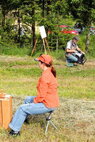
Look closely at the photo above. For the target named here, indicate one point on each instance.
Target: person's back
(48, 84)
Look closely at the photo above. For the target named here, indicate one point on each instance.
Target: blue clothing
(28, 108)
(71, 58)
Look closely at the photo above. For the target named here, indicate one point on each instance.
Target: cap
(76, 38)
(44, 58)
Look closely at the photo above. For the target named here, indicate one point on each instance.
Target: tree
(30, 16)
(84, 10)
(6, 6)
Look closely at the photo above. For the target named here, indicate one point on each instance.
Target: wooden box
(5, 110)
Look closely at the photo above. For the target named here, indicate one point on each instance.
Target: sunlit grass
(19, 76)
(77, 87)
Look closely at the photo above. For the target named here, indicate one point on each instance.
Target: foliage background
(19, 24)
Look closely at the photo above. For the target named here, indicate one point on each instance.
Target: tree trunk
(3, 22)
(43, 5)
(19, 28)
(34, 36)
(33, 30)
(3, 17)
(33, 40)
(48, 12)
(48, 6)
(87, 42)
(57, 44)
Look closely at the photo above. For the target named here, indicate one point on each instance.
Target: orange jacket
(47, 90)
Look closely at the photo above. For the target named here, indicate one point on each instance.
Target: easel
(45, 42)
(33, 50)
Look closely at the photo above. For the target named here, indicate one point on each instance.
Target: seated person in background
(46, 100)
(71, 49)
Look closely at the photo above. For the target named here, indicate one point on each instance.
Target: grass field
(75, 117)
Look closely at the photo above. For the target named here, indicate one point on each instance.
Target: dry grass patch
(75, 119)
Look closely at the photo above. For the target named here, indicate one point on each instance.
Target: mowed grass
(19, 76)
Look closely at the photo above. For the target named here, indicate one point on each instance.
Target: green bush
(10, 49)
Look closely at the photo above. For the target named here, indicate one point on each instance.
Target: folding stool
(49, 121)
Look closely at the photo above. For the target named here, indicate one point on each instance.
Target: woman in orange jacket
(46, 99)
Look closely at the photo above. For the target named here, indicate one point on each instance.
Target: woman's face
(41, 66)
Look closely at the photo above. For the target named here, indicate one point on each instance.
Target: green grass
(19, 75)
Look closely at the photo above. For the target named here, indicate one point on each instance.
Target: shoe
(75, 64)
(14, 133)
(70, 64)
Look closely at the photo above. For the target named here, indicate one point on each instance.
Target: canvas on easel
(45, 42)
(43, 36)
